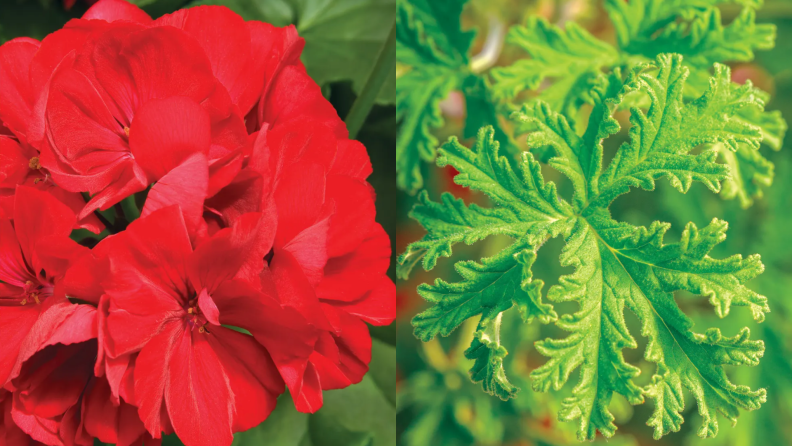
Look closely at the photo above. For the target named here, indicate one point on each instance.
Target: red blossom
(256, 262)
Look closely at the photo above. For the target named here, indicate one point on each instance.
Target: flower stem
(383, 68)
(131, 211)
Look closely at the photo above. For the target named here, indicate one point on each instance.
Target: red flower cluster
(255, 263)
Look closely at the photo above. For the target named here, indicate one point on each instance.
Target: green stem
(383, 68)
(131, 211)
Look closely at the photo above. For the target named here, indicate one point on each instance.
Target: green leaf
(342, 37)
(570, 57)
(418, 96)
(488, 288)
(284, 427)
(617, 266)
(695, 25)
(359, 415)
(433, 48)
(526, 205)
(662, 139)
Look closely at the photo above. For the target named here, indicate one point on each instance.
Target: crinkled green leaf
(433, 52)
(661, 139)
(638, 21)
(526, 205)
(617, 266)
(570, 57)
(418, 96)
(433, 47)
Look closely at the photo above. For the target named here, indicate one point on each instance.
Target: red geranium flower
(169, 302)
(35, 253)
(256, 261)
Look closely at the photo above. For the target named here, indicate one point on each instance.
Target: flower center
(194, 316)
(35, 293)
(34, 163)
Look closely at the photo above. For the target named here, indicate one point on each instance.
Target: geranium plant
(186, 231)
(687, 121)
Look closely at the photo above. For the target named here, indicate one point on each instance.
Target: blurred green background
(438, 404)
(343, 39)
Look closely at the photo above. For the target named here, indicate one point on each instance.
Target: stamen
(34, 163)
(23, 302)
(126, 130)
(202, 329)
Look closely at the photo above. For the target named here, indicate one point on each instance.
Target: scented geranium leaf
(693, 29)
(578, 157)
(618, 266)
(488, 354)
(570, 57)
(342, 37)
(749, 174)
(486, 348)
(661, 139)
(636, 21)
(433, 50)
(599, 334)
(487, 289)
(771, 123)
(526, 206)
(418, 97)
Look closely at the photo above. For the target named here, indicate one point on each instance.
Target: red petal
(348, 277)
(40, 429)
(300, 196)
(13, 268)
(115, 10)
(217, 29)
(220, 258)
(151, 375)
(60, 322)
(17, 96)
(208, 307)
(84, 277)
(352, 160)
(309, 249)
(285, 333)
(83, 132)
(241, 196)
(37, 217)
(295, 96)
(53, 380)
(100, 415)
(377, 307)
(197, 396)
(166, 132)
(294, 290)
(299, 141)
(14, 162)
(309, 398)
(154, 63)
(184, 186)
(252, 376)
(222, 172)
(353, 350)
(15, 324)
(354, 213)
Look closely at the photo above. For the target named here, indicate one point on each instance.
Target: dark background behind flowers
(439, 405)
(343, 38)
